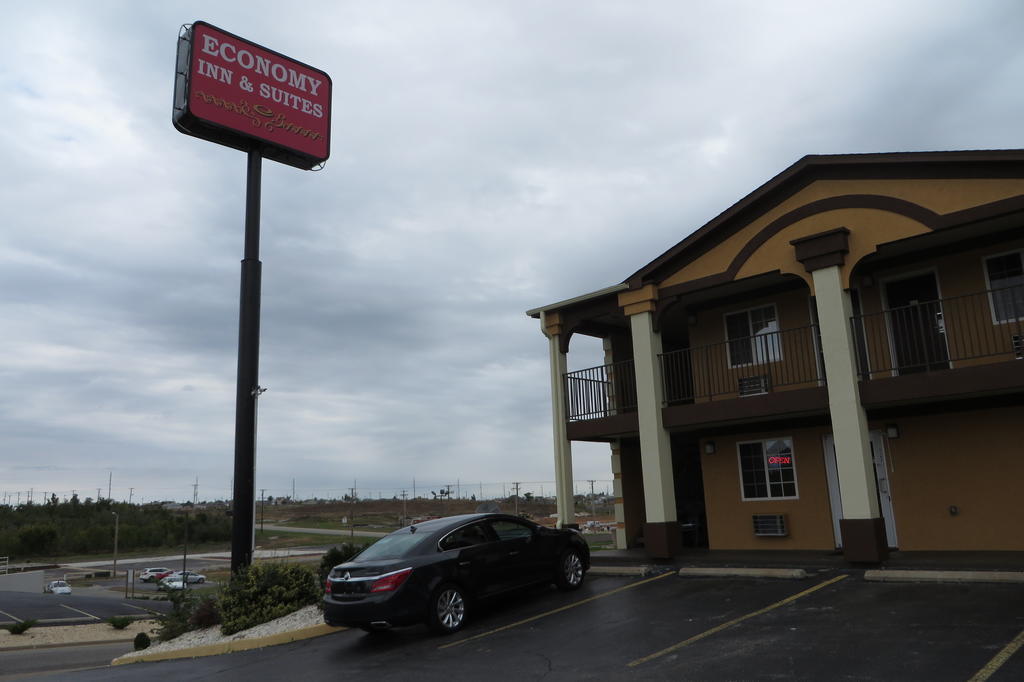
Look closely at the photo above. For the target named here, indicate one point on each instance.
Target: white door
(881, 484)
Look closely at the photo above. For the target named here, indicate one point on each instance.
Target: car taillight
(391, 581)
(327, 585)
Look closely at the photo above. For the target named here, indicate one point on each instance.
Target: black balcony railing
(600, 391)
(743, 367)
(977, 328)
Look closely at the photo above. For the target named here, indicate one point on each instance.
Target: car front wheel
(570, 570)
(447, 610)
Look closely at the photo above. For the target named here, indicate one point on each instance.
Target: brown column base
(864, 540)
(662, 540)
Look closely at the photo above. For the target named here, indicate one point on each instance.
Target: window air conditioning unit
(770, 525)
(756, 385)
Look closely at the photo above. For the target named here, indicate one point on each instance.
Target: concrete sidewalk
(900, 566)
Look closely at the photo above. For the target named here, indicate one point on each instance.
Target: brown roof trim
(966, 164)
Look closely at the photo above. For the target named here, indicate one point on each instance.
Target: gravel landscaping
(303, 618)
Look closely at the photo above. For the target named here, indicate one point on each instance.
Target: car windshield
(392, 546)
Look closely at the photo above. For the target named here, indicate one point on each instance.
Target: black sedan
(433, 572)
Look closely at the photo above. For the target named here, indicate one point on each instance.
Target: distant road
(324, 531)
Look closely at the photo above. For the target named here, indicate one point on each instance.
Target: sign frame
(260, 121)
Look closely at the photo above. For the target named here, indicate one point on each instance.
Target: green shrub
(177, 622)
(20, 628)
(119, 622)
(206, 613)
(338, 554)
(263, 592)
(141, 641)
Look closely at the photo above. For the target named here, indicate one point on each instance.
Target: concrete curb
(620, 570)
(889, 575)
(61, 645)
(778, 573)
(231, 646)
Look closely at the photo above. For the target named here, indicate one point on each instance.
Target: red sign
(232, 91)
(780, 460)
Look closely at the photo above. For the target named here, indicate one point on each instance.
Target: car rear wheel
(447, 610)
(201, 580)
(570, 570)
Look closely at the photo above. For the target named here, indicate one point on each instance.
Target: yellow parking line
(723, 626)
(998, 660)
(558, 610)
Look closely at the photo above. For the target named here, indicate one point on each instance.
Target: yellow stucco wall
(868, 227)
(971, 460)
(729, 517)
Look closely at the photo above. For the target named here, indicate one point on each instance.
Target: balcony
(599, 392)
(979, 336)
(743, 367)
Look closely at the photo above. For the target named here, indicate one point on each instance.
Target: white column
(849, 423)
(655, 446)
(564, 499)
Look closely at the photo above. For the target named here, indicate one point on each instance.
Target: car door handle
(514, 553)
(464, 563)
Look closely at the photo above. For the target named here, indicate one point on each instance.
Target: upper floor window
(1006, 280)
(767, 469)
(753, 336)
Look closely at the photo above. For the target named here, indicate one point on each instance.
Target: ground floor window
(767, 469)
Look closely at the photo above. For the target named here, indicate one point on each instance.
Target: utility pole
(263, 507)
(405, 516)
(195, 492)
(131, 491)
(117, 519)
(516, 484)
(593, 503)
(414, 487)
(99, 494)
(352, 513)
(293, 490)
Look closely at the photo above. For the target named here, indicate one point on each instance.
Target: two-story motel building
(836, 361)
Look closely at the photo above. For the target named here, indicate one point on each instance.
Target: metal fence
(601, 391)
(743, 366)
(959, 331)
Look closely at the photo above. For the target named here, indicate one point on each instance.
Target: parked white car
(148, 575)
(177, 580)
(58, 587)
(190, 576)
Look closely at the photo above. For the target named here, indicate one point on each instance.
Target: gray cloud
(487, 158)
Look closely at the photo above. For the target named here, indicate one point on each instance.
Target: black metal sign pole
(243, 512)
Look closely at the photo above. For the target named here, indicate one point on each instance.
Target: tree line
(58, 528)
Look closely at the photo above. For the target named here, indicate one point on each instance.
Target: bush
(206, 613)
(119, 622)
(177, 622)
(20, 628)
(263, 592)
(141, 641)
(337, 555)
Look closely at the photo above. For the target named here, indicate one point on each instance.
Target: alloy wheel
(451, 609)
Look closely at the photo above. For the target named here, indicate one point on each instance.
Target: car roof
(449, 522)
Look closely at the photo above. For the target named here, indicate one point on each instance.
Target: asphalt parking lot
(830, 626)
(69, 609)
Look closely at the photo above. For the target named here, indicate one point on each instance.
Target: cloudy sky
(487, 158)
